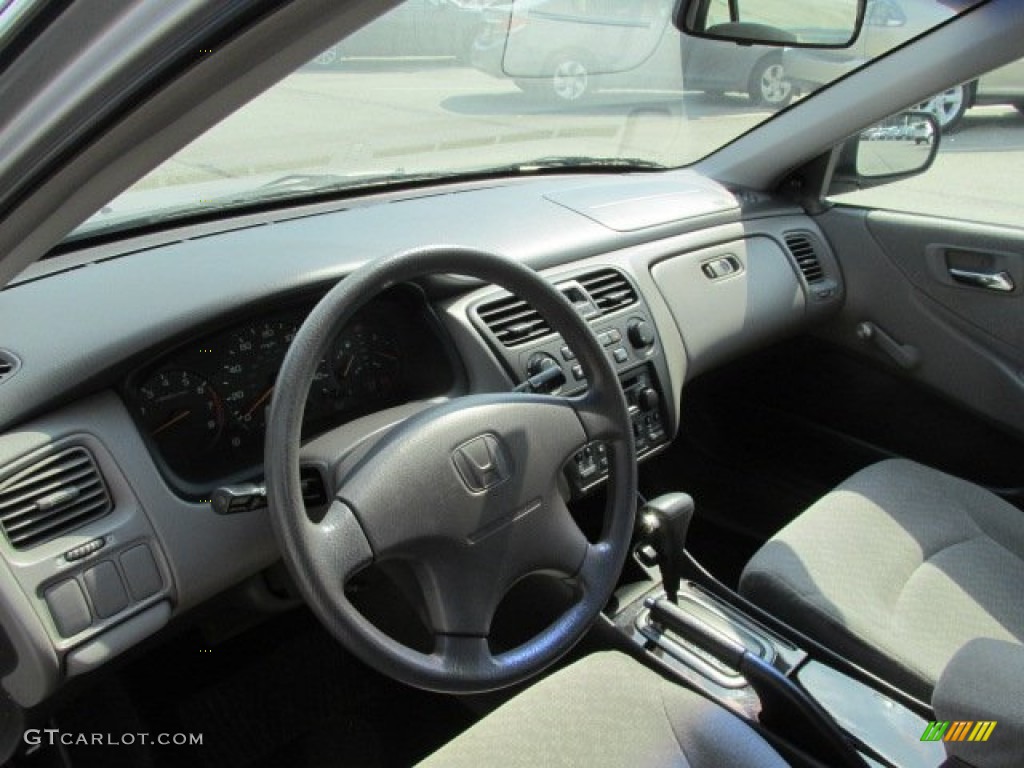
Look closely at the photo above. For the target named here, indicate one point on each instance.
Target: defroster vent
(53, 496)
(802, 248)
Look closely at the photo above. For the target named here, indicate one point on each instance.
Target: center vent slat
(53, 496)
(802, 248)
(13, 512)
(609, 289)
(513, 321)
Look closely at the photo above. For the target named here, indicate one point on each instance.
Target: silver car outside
(887, 24)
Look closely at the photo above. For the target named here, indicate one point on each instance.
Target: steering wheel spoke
(592, 409)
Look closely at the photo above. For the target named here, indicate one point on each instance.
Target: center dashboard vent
(514, 322)
(801, 246)
(609, 289)
(53, 496)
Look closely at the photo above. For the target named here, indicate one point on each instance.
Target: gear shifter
(662, 523)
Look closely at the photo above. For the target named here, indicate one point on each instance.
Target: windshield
(462, 88)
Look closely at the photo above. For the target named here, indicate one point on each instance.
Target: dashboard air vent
(609, 289)
(8, 365)
(513, 321)
(802, 248)
(51, 497)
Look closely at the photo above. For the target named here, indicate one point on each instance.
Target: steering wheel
(465, 492)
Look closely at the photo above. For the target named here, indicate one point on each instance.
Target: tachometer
(181, 411)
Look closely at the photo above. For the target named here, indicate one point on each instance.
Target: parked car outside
(887, 24)
(568, 50)
(412, 29)
(717, 67)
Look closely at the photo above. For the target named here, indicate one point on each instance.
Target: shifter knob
(663, 523)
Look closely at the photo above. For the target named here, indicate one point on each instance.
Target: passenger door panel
(967, 343)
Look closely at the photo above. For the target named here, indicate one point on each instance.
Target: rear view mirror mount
(794, 23)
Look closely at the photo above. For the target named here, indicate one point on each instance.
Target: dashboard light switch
(82, 552)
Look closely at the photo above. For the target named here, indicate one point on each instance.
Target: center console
(622, 322)
(700, 632)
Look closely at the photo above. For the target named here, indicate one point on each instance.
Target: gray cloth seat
(897, 569)
(607, 710)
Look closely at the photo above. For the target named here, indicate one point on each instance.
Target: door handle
(1001, 282)
(905, 356)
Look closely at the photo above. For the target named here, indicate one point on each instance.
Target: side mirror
(896, 148)
(822, 24)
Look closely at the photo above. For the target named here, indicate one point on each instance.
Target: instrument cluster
(203, 408)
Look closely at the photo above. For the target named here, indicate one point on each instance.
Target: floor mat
(284, 695)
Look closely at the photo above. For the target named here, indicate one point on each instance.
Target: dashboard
(154, 385)
(202, 406)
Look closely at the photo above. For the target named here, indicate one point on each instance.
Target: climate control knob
(640, 333)
(540, 363)
(647, 399)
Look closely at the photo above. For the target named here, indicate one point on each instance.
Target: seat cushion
(607, 710)
(897, 569)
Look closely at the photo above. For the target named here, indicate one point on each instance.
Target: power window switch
(68, 607)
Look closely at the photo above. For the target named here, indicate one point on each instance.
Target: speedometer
(252, 357)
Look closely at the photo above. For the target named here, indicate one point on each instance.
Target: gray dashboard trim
(66, 329)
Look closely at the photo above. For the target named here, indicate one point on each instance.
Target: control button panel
(589, 466)
(105, 587)
(627, 342)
